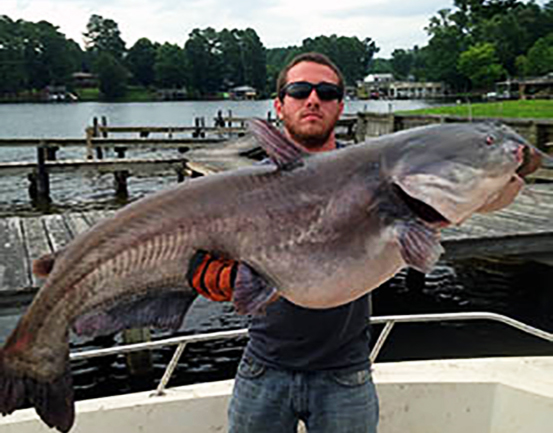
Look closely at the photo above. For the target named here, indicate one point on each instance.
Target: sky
(279, 23)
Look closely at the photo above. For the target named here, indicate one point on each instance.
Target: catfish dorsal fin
(44, 265)
(282, 151)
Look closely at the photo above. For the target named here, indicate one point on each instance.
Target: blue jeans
(268, 400)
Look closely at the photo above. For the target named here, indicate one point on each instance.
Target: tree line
(471, 45)
(34, 55)
(478, 42)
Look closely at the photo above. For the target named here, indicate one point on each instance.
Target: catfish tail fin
(53, 401)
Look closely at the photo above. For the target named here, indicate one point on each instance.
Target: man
(302, 364)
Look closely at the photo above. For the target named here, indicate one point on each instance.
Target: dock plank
(76, 223)
(95, 216)
(57, 231)
(14, 266)
(523, 229)
(36, 243)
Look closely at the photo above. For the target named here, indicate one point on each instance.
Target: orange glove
(212, 277)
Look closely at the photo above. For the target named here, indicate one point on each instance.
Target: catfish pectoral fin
(161, 310)
(252, 292)
(419, 245)
(53, 400)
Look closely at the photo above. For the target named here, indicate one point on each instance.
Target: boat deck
(490, 395)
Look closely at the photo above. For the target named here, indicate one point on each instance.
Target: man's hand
(212, 276)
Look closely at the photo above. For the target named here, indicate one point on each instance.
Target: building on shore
(526, 88)
(377, 86)
(243, 93)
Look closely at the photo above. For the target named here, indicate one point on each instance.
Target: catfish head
(458, 169)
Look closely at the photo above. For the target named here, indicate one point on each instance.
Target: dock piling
(39, 190)
(120, 181)
(96, 134)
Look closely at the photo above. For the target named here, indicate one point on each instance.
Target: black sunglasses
(302, 90)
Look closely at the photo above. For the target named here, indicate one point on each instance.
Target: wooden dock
(524, 229)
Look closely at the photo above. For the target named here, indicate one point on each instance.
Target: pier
(176, 141)
(524, 229)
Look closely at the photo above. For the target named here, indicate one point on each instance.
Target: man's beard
(310, 140)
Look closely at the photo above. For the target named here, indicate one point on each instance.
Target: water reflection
(521, 290)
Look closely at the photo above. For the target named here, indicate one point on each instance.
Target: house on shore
(526, 88)
(243, 93)
(377, 86)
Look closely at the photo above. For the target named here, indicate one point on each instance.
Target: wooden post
(51, 153)
(202, 127)
(219, 120)
(361, 129)
(139, 363)
(120, 180)
(42, 181)
(120, 151)
(89, 133)
(196, 132)
(392, 125)
(96, 134)
(181, 172)
(104, 125)
(415, 280)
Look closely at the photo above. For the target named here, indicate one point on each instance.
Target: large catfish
(319, 229)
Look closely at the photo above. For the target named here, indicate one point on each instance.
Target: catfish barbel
(318, 229)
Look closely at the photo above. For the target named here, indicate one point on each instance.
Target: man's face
(310, 121)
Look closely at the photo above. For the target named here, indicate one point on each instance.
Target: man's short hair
(314, 57)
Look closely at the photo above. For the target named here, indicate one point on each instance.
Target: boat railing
(388, 321)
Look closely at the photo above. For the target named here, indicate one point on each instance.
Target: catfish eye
(490, 140)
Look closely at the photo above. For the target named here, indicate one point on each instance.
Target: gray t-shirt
(298, 338)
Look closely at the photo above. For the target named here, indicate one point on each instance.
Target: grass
(88, 94)
(133, 94)
(537, 109)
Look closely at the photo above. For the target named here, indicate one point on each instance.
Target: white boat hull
(492, 395)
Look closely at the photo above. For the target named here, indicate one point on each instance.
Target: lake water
(71, 120)
(521, 290)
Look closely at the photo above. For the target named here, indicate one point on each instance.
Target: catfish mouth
(423, 211)
(531, 159)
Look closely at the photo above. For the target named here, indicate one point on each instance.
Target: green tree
(254, 61)
(141, 60)
(33, 55)
(402, 63)
(231, 58)
(13, 72)
(50, 56)
(277, 58)
(381, 66)
(103, 36)
(203, 54)
(540, 57)
(243, 59)
(447, 42)
(481, 65)
(112, 76)
(350, 53)
(170, 67)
